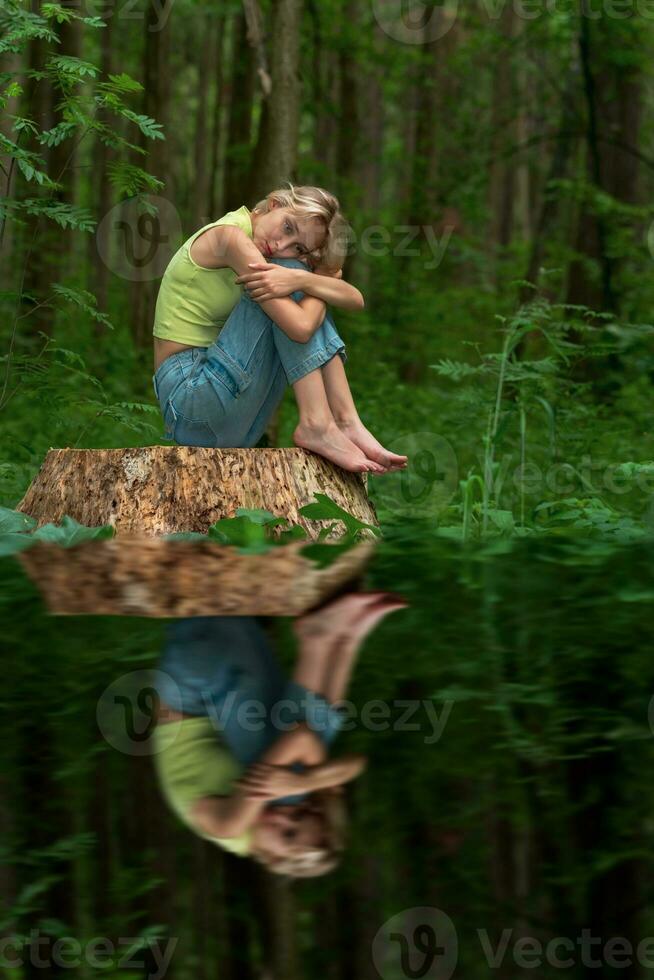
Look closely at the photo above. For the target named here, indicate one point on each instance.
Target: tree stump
(148, 492)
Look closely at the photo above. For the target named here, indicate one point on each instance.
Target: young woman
(261, 280)
(241, 752)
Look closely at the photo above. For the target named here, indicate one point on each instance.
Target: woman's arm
(266, 782)
(300, 745)
(335, 772)
(233, 248)
(335, 292)
(268, 281)
(231, 816)
(225, 816)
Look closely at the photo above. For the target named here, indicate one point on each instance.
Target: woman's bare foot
(330, 442)
(349, 618)
(357, 433)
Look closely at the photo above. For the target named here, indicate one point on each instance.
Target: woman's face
(281, 829)
(281, 234)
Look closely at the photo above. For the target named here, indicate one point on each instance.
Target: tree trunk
(325, 97)
(224, 32)
(613, 96)
(37, 105)
(557, 171)
(274, 160)
(157, 81)
(205, 30)
(100, 243)
(8, 63)
(348, 144)
(502, 170)
(157, 490)
(281, 956)
(239, 134)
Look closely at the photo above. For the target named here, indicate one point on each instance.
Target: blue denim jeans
(224, 668)
(223, 396)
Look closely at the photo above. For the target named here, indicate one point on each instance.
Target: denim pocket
(188, 432)
(229, 372)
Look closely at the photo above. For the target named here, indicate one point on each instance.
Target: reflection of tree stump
(156, 490)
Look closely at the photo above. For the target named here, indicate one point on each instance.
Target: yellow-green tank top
(193, 762)
(193, 303)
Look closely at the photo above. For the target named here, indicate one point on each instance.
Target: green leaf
(65, 215)
(260, 516)
(69, 65)
(129, 179)
(147, 125)
(85, 300)
(242, 533)
(503, 519)
(324, 554)
(55, 136)
(295, 533)
(22, 124)
(456, 370)
(121, 83)
(12, 542)
(71, 533)
(15, 520)
(325, 509)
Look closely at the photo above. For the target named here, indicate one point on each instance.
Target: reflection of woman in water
(241, 751)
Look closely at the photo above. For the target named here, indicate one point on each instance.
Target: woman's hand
(269, 281)
(266, 782)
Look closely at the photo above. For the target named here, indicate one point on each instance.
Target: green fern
(455, 369)
(147, 125)
(84, 300)
(129, 179)
(69, 65)
(65, 215)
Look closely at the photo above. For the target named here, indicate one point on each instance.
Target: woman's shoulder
(240, 217)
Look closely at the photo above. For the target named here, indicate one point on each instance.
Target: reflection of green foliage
(251, 531)
(17, 534)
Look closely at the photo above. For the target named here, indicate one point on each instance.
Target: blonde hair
(315, 202)
(309, 862)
